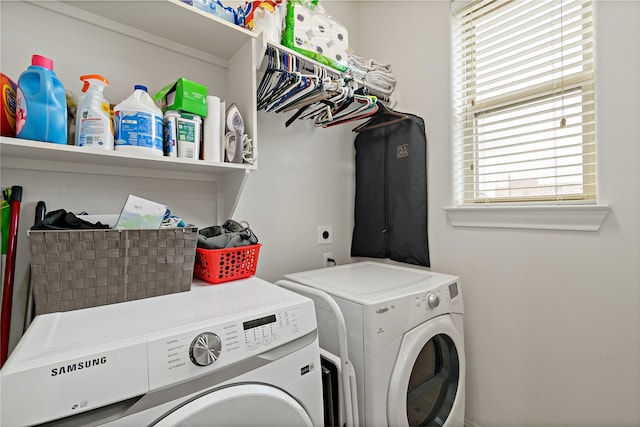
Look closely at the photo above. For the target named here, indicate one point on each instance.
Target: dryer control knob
(205, 349)
(433, 300)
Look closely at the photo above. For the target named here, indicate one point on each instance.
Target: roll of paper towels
(337, 54)
(212, 130)
(320, 26)
(321, 47)
(302, 25)
(303, 15)
(340, 37)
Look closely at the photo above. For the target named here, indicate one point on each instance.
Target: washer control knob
(433, 300)
(205, 349)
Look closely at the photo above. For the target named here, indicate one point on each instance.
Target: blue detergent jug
(41, 103)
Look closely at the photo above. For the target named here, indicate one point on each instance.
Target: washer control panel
(191, 353)
(262, 331)
(391, 318)
(432, 299)
(205, 349)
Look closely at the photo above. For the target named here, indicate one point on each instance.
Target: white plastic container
(182, 131)
(93, 121)
(138, 124)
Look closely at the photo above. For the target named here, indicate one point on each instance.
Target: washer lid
(371, 282)
(117, 325)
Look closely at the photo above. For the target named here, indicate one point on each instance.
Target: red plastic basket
(223, 265)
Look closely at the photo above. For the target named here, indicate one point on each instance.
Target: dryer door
(427, 382)
(239, 405)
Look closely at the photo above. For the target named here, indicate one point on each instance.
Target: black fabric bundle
(62, 220)
(231, 234)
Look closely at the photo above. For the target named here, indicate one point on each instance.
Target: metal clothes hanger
(328, 98)
(274, 75)
(281, 79)
(346, 106)
(349, 119)
(319, 105)
(357, 106)
(383, 110)
(313, 83)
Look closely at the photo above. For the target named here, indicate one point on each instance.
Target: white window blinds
(524, 100)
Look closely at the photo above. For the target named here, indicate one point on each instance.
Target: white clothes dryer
(405, 340)
(242, 353)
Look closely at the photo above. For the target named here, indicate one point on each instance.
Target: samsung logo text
(85, 364)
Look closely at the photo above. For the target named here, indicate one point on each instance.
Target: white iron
(235, 124)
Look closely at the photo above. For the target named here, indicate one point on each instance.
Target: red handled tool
(9, 272)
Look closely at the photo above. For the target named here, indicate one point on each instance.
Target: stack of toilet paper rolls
(316, 32)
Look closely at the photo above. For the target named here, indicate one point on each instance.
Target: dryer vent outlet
(325, 234)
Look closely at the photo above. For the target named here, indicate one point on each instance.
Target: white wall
(305, 179)
(551, 317)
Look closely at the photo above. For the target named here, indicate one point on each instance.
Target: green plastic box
(184, 95)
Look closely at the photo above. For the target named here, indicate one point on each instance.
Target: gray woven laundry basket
(74, 269)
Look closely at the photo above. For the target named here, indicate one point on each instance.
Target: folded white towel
(384, 82)
(375, 75)
(368, 64)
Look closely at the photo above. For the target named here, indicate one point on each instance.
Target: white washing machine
(242, 353)
(405, 340)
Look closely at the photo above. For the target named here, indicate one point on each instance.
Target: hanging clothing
(391, 190)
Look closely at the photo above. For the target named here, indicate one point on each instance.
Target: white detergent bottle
(93, 121)
(138, 124)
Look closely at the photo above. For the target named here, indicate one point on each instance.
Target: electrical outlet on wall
(327, 259)
(325, 234)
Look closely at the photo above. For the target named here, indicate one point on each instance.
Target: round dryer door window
(424, 390)
(239, 405)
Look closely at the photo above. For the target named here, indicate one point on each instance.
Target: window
(524, 101)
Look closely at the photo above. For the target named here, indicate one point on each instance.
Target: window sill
(539, 217)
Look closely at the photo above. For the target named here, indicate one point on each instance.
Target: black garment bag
(391, 190)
